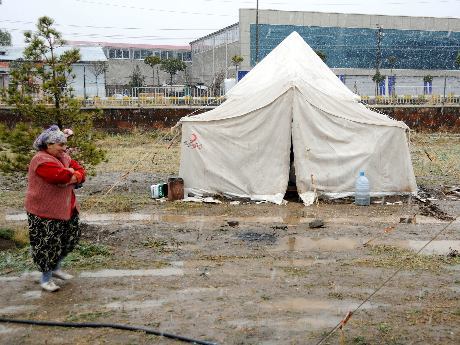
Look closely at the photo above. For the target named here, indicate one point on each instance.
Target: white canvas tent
(242, 148)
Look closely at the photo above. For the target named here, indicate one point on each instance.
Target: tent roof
(293, 64)
(292, 61)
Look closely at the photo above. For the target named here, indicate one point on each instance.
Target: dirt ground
(243, 273)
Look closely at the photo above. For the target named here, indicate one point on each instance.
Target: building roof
(215, 33)
(128, 45)
(13, 53)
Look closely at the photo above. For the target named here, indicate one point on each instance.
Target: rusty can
(175, 188)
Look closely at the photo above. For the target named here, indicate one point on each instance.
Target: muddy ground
(240, 274)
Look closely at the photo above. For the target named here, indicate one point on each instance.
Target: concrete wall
(119, 72)
(446, 119)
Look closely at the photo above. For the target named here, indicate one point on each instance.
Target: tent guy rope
(342, 323)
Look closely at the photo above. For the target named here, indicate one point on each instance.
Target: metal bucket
(175, 188)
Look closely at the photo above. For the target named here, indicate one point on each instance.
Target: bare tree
(216, 82)
(97, 68)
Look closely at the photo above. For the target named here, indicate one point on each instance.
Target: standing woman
(51, 205)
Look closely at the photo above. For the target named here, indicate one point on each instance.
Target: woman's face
(56, 149)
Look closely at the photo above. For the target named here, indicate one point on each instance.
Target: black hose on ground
(107, 325)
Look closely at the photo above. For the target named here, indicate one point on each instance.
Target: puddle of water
(435, 247)
(4, 330)
(27, 275)
(177, 263)
(174, 297)
(296, 243)
(197, 290)
(34, 294)
(313, 305)
(160, 272)
(107, 218)
(17, 309)
(299, 323)
(176, 218)
(130, 305)
(302, 262)
(319, 313)
(16, 217)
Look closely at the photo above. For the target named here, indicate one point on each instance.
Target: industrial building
(415, 55)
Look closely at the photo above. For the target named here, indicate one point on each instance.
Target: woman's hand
(71, 170)
(73, 180)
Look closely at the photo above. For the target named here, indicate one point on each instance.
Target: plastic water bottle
(362, 190)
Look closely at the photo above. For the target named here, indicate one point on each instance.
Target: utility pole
(257, 32)
(378, 56)
(378, 60)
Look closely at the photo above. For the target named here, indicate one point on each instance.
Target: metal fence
(180, 96)
(450, 99)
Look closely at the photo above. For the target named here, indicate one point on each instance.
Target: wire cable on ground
(350, 313)
(108, 325)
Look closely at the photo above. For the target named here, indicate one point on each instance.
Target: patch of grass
(336, 295)
(384, 328)
(176, 206)
(15, 260)
(436, 158)
(147, 151)
(6, 234)
(12, 199)
(359, 340)
(295, 271)
(161, 246)
(112, 202)
(19, 235)
(88, 256)
(392, 257)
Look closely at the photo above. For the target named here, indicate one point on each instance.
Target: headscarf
(51, 135)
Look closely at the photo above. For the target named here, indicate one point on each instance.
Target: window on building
(145, 53)
(118, 53)
(137, 54)
(186, 56)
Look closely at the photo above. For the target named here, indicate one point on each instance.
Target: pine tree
(41, 77)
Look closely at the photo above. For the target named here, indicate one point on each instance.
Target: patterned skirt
(51, 239)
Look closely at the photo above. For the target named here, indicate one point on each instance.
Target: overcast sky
(179, 22)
